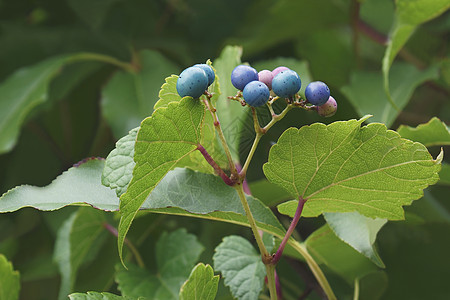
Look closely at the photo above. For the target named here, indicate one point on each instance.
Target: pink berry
(266, 77)
(279, 70)
(328, 109)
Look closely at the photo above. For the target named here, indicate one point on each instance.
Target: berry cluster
(194, 80)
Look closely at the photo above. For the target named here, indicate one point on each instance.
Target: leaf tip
(365, 118)
(440, 157)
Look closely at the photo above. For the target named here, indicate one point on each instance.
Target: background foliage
(77, 75)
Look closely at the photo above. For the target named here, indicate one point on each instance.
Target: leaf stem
(356, 291)
(298, 213)
(215, 166)
(106, 59)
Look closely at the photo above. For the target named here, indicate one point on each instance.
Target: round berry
(256, 93)
(328, 109)
(286, 84)
(266, 77)
(317, 93)
(242, 75)
(193, 82)
(278, 70)
(209, 72)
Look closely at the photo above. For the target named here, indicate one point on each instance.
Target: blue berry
(266, 77)
(286, 83)
(256, 93)
(328, 109)
(317, 93)
(193, 82)
(242, 75)
(278, 70)
(209, 72)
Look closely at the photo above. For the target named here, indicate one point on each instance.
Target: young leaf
(176, 254)
(75, 239)
(201, 285)
(241, 266)
(119, 164)
(100, 296)
(365, 91)
(129, 97)
(79, 184)
(343, 167)
(433, 133)
(166, 137)
(342, 259)
(9, 280)
(409, 15)
(358, 231)
(168, 92)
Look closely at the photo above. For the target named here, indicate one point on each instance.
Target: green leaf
(119, 164)
(444, 174)
(80, 184)
(270, 194)
(99, 296)
(91, 12)
(231, 114)
(9, 280)
(365, 91)
(433, 133)
(241, 266)
(164, 139)
(358, 231)
(78, 235)
(201, 285)
(129, 97)
(168, 92)
(343, 167)
(342, 259)
(176, 254)
(20, 93)
(430, 209)
(409, 15)
(187, 192)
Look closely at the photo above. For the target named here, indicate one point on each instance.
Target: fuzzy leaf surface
(241, 266)
(119, 164)
(169, 135)
(358, 231)
(9, 280)
(100, 296)
(343, 167)
(176, 254)
(201, 285)
(433, 133)
(78, 185)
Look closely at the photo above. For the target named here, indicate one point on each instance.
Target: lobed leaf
(343, 167)
(78, 185)
(201, 285)
(9, 280)
(433, 133)
(241, 267)
(165, 138)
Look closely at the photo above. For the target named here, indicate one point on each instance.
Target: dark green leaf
(99, 296)
(9, 280)
(201, 285)
(91, 12)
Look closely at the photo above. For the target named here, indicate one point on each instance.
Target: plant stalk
(270, 271)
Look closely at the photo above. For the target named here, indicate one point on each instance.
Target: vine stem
(215, 166)
(356, 291)
(271, 282)
(106, 59)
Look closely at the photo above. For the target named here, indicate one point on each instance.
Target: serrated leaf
(241, 266)
(176, 254)
(341, 258)
(433, 133)
(343, 167)
(129, 97)
(365, 91)
(75, 239)
(205, 194)
(80, 184)
(20, 93)
(9, 280)
(168, 92)
(358, 231)
(201, 285)
(99, 296)
(409, 15)
(119, 164)
(166, 137)
(231, 114)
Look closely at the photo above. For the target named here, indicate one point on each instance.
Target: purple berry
(256, 93)
(266, 77)
(328, 109)
(278, 70)
(286, 84)
(209, 72)
(242, 75)
(193, 82)
(317, 93)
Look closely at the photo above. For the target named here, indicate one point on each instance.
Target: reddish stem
(298, 213)
(216, 167)
(244, 183)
